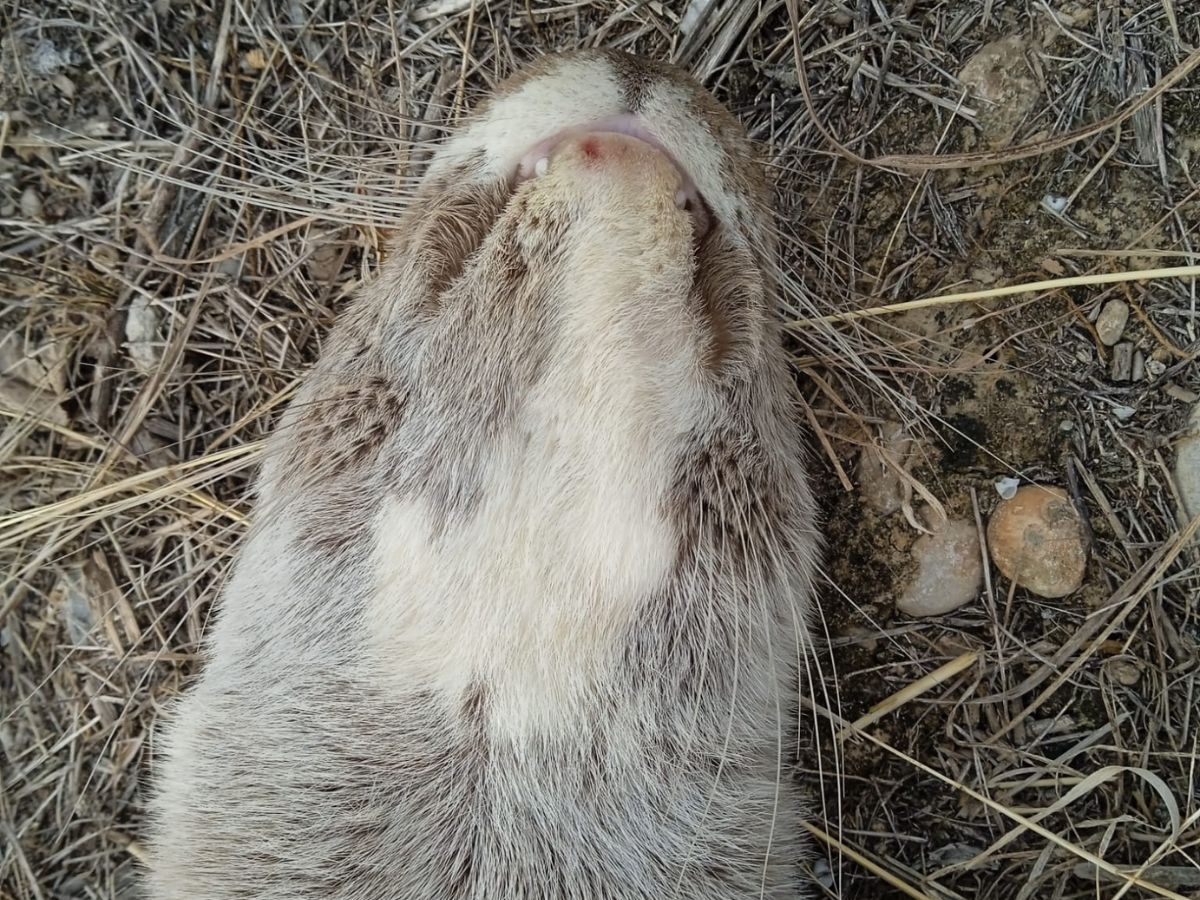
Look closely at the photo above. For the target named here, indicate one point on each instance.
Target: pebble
(231, 268)
(76, 611)
(823, 873)
(1122, 362)
(1182, 394)
(1038, 728)
(955, 853)
(64, 84)
(1004, 88)
(1110, 324)
(1124, 671)
(1054, 203)
(31, 204)
(880, 484)
(1037, 539)
(949, 571)
(1187, 465)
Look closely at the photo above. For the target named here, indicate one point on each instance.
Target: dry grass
(189, 193)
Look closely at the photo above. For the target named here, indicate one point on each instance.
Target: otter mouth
(536, 161)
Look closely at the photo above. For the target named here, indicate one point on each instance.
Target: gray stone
(879, 479)
(1187, 466)
(1122, 362)
(1004, 86)
(949, 571)
(1110, 324)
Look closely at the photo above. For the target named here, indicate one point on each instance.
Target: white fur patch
(531, 594)
(578, 89)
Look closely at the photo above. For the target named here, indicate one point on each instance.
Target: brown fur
(522, 612)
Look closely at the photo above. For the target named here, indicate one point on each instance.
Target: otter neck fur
(523, 608)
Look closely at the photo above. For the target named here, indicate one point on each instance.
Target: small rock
(1138, 372)
(1187, 466)
(955, 853)
(104, 258)
(64, 84)
(141, 335)
(31, 204)
(823, 873)
(76, 611)
(324, 264)
(878, 476)
(1037, 539)
(231, 268)
(1110, 324)
(1182, 394)
(1122, 362)
(984, 275)
(1054, 203)
(1038, 728)
(1124, 671)
(949, 571)
(999, 77)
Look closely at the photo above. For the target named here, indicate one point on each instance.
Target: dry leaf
(33, 380)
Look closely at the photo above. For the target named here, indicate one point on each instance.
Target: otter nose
(612, 149)
(636, 164)
(607, 153)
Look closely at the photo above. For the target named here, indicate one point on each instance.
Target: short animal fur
(522, 611)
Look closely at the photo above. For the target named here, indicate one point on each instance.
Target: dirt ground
(188, 194)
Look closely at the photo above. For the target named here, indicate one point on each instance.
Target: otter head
(621, 186)
(565, 394)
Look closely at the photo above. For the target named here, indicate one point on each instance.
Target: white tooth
(542, 166)
(681, 199)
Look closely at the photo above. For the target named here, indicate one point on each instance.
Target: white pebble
(1054, 203)
(542, 166)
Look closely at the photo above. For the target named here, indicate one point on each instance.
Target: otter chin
(524, 607)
